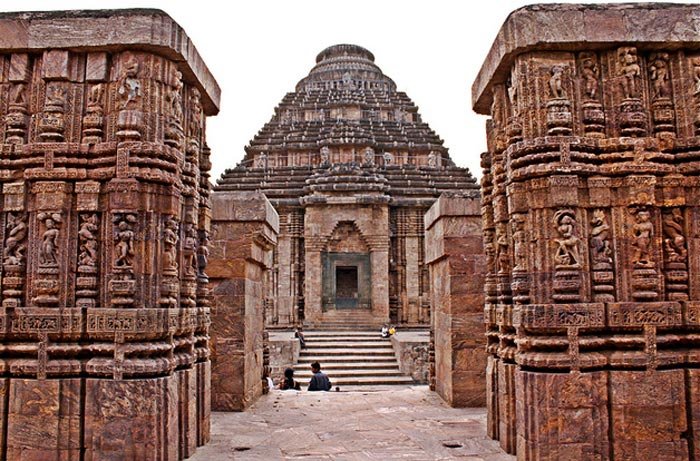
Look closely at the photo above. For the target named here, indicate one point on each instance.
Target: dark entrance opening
(346, 287)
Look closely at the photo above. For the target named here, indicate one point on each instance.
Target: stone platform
(409, 424)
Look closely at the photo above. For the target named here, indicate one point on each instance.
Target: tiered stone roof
(346, 111)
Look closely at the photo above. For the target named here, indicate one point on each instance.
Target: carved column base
(16, 121)
(86, 287)
(676, 281)
(129, 123)
(514, 130)
(12, 285)
(663, 117)
(559, 119)
(520, 287)
(632, 118)
(603, 282)
(645, 284)
(92, 128)
(593, 119)
(567, 285)
(122, 288)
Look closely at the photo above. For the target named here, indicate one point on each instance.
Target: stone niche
(104, 214)
(591, 206)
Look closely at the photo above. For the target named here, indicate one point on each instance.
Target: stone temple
(351, 168)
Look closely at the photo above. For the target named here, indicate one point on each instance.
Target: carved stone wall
(104, 213)
(590, 218)
(455, 256)
(244, 234)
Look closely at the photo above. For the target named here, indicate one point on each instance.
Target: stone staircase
(351, 359)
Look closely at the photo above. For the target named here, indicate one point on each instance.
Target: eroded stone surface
(402, 423)
(590, 210)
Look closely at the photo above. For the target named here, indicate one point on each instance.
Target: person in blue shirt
(319, 381)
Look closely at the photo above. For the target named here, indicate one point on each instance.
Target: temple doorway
(346, 281)
(346, 287)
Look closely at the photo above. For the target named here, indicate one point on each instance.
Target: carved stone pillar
(96, 364)
(597, 359)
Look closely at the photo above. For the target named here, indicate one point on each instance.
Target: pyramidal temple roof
(345, 111)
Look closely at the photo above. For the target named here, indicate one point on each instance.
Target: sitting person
(385, 331)
(392, 330)
(298, 334)
(289, 383)
(319, 381)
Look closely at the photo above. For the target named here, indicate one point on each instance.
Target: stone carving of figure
(129, 87)
(567, 253)
(589, 71)
(174, 96)
(124, 239)
(600, 238)
(196, 113)
(48, 249)
(95, 95)
(519, 243)
(18, 95)
(325, 155)
(87, 236)
(490, 250)
(170, 239)
(56, 96)
(202, 253)
(432, 159)
(388, 158)
(658, 73)
(261, 160)
(502, 258)
(190, 244)
(513, 92)
(555, 87)
(13, 253)
(368, 158)
(630, 71)
(696, 74)
(642, 234)
(673, 235)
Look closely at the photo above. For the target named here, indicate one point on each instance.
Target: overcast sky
(258, 50)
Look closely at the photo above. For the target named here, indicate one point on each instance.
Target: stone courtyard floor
(407, 423)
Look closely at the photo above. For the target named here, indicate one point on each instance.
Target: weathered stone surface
(455, 256)
(244, 233)
(590, 204)
(351, 168)
(412, 353)
(105, 212)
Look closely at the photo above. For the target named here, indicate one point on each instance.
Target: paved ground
(408, 423)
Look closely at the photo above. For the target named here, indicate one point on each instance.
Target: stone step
(313, 345)
(371, 381)
(346, 351)
(306, 374)
(346, 339)
(323, 359)
(331, 366)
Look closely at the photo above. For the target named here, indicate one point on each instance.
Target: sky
(259, 49)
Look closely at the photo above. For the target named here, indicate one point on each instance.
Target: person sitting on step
(319, 381)
(289, 383)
